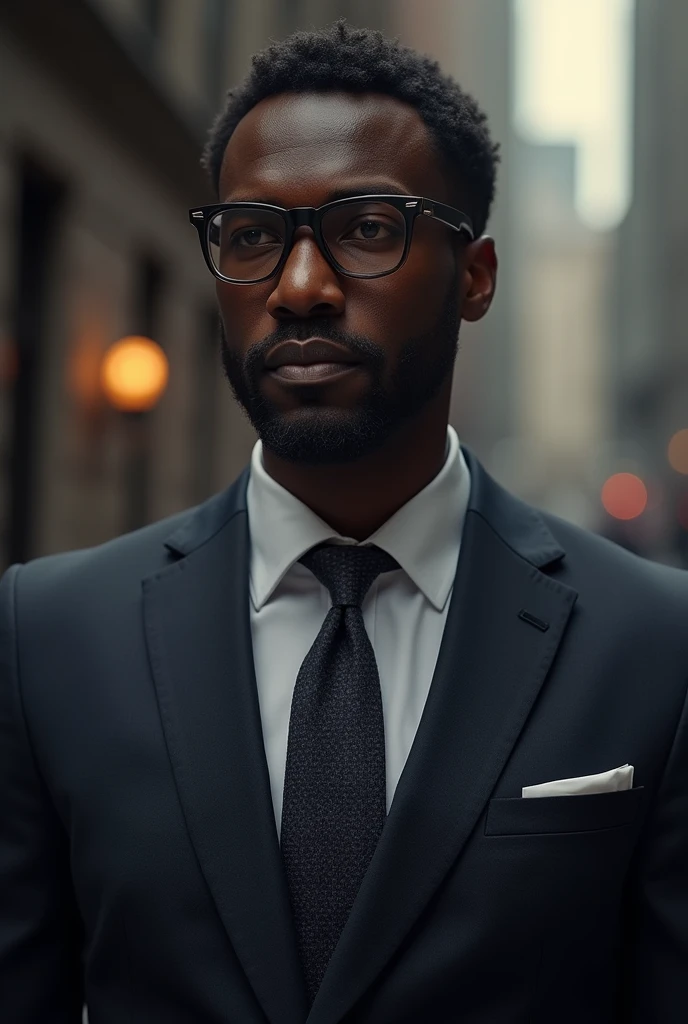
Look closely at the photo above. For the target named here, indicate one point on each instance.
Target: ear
(479, 278)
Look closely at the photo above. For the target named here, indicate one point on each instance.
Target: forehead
(298, 149)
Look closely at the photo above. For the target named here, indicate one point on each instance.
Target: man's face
(402, 330)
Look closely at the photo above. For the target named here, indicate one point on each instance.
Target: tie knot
(348, 570)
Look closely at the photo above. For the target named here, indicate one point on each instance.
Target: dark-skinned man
(363, 738)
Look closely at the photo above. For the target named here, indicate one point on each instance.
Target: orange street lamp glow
(624, 496)
(134, 374)
(678, 451)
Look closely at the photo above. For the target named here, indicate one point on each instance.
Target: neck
(356, 498)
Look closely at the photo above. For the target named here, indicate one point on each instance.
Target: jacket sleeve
(655, 982)
(40, 931)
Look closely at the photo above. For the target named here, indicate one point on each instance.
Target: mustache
(316, 327)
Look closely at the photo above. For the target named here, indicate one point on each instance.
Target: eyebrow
(340, 193)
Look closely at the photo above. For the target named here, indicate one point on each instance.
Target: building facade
(562, 280)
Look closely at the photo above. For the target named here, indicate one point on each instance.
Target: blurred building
(100, 131)
(106, 106)
(561, 376)
(651, 355)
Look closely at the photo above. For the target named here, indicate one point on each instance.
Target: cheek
(406, 303)
(244, 315)
(423, 291)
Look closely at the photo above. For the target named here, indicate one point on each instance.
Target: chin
(316, 436)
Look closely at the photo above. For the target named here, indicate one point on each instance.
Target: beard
(318, 433)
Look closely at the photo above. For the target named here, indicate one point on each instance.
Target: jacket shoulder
(90, 574)
(594, 560)
(119, 565)
(141, 551)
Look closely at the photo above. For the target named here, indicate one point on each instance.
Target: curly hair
(362, 60)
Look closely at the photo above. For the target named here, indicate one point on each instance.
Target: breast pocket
(589, 812)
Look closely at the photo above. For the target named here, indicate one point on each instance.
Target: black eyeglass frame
(309, 216)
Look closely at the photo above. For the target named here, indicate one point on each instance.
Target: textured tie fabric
(334, 788)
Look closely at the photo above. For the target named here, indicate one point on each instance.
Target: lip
(312, 373)
(314, 351)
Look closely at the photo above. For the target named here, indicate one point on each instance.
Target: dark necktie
(334, 788)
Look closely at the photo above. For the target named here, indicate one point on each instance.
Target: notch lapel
(491, 667)
(199, 642)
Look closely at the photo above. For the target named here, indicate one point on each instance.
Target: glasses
(365, 236)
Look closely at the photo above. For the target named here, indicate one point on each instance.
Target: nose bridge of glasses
(303, 221)
(303, 216)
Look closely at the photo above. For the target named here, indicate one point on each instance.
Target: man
(266, 761)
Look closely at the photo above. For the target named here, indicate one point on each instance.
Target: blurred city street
(573, 391)
(175, 707)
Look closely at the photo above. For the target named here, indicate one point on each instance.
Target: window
(41, 198)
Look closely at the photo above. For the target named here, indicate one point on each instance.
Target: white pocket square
(607, 782)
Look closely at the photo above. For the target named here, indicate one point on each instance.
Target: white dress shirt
(404, 611)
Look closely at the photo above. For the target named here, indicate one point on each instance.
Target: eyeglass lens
(362, 238)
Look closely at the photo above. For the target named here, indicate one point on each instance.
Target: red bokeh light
(624, 496)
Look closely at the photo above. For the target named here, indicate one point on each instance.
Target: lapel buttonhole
(533, 620)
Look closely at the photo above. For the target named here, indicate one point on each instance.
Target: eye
(369, 230)
(252, 237)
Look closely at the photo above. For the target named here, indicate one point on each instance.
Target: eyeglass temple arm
(448, 215)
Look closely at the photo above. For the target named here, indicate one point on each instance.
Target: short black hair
(362, 60)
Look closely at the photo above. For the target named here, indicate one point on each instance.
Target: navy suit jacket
(139, 862)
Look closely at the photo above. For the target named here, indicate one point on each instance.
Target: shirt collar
(424, 535)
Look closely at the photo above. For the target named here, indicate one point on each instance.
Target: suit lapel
(491, 667)
(199, 642)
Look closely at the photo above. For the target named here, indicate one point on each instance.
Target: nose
(307, 285)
